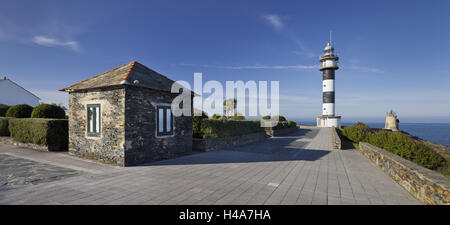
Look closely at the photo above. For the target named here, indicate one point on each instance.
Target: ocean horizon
(435, 132)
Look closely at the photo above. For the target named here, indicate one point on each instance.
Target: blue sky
(393, 54)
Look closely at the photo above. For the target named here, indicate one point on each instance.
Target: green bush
(217, 117)
(3, 109)
(357, 133)
(214, 128)
(237, 117)
(283, 125)
(49, 132)
(48, 111)
(19, 111)
(4, 128)
(196, 125)
(398, 143)
(291, 124)
(281, 118)
(405, 146)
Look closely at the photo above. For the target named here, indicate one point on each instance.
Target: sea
(435, 132)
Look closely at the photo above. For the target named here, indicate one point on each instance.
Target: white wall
(328, 85)
(12, 94)
(328, 109)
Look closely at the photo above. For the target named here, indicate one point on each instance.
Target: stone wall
(277, 133)
(108, 148)
(336, 139)
(426, 185)
(211, 144)
(11, 141)
(141, 142)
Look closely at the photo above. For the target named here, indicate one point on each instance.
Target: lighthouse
(329, 65)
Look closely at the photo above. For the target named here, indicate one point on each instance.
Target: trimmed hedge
(4, 130)
(3, 109)
(398, 143)
(280, 118)
(48, 111)
(19, 111)
(49, 132)
(220, 127)
(283, 125)
(216, 128)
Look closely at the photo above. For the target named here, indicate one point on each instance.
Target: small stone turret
(392, 121)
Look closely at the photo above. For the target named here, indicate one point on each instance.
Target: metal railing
(329, 55)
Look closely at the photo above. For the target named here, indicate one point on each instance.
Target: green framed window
(164, 123)
(94, 123)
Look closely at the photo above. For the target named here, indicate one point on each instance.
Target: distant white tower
(329, 65)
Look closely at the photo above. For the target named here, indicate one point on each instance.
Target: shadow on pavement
(285, 148)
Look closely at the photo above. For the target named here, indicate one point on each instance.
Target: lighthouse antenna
(330, 37)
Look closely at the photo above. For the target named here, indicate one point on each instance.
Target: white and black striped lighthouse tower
(329, 61)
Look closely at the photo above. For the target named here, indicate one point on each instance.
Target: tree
(229, 106)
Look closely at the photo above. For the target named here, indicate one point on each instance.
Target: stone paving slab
(18, 172)
(301, 168)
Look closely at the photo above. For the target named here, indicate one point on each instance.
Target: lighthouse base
(329, 121)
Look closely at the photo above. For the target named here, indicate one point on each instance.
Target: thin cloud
(52, 42)
(275, 67)
(274, 21)
(365, 69)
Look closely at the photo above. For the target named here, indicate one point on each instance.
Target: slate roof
(125, 74)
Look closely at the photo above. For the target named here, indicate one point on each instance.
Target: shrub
(19, 111)
(357, 133)
(406, 147)
(49, 132)
(4, 128)
(281, 118)
(3, 109)
(217, 117)
(283, 125)
(398, 143)
(291, 124)
(237, 117)
(213, 128)
(196, 125)
(48, 111)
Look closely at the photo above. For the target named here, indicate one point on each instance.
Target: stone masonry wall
(109, 147)
(426, 185)
(142, 144)
(335, 139)
(211, 144)
(281, 132)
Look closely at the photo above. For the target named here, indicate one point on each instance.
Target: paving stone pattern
(300, 168)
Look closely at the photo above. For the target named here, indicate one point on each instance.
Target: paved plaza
(301, 168)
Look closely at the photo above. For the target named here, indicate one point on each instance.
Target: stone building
(123, 117)
(391, 121)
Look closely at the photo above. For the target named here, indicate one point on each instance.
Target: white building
(13, 94)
